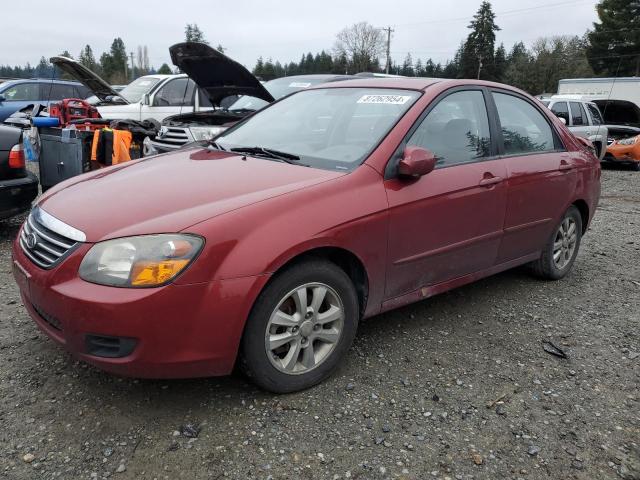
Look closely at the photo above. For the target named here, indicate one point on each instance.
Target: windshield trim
(365, 156)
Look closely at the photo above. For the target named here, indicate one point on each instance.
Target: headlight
(143, 261)
(205, 133)
(629, 141)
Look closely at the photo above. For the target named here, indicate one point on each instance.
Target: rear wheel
(302, 325)
(561, 250)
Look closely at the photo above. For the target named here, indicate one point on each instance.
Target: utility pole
(389, 30)
(132, 66)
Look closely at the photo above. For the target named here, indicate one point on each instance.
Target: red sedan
(270, 244)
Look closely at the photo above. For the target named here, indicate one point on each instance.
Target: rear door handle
(488, 181)
(564, 166)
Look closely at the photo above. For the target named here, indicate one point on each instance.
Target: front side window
(595, 114)
(561, 110)
(456, 130)
(23, 92)
(333, 128)
(175, 93)
(524, 128)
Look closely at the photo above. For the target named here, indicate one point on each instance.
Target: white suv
(583, 119)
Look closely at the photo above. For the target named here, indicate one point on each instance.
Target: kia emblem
(31, 240)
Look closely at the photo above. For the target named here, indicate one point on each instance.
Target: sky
(280, 29)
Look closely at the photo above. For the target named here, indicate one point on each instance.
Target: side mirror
(416, 162)
(2, 98)
(145, 99)
(563, 120)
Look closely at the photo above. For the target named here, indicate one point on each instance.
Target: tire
(635, 166)
(551, 268)
(277, 317)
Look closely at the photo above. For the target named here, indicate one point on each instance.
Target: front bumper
(178, 331)
(17, 194)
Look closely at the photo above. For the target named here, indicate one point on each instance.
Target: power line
(504, 12)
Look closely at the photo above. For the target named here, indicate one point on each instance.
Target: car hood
(215, 73)
(169, 193)
(93, 82)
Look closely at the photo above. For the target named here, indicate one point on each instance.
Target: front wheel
(561, 250)
(300, 328)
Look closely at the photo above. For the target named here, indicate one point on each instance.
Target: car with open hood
(266, 247)
(147, 97)
(222, 78)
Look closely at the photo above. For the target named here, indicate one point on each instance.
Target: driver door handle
(487, 181)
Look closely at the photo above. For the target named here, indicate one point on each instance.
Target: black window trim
(557, 142)
(390, 170)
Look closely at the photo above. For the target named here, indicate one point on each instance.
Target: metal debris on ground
(553, 349)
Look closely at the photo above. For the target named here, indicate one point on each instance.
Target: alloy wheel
(304, 328)
(564, 243)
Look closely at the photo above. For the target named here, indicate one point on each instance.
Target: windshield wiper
(217, 146)
(268, 152)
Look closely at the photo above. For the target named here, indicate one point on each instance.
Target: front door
(173, 98)
(448, 223)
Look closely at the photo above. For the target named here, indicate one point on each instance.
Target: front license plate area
(22, 277)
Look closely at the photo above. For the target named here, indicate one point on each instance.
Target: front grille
(42, 245)
(174, 137)
(109, 347)
(51, 320)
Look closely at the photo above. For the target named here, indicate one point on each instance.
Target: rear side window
(561, 110)
(456, 130)
(578, 114)
(524, 128)
(57, 91)
(23, 92)
(595, 114)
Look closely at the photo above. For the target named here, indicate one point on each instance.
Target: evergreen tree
(477, 59)
(43, 70)
(499, 63)
(614, 48)
(418, 69)
(192, 33)
(87, 59)
(407, 66)
(258, 70)
(164, 69)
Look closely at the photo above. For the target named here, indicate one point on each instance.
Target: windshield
(278, 88)
(136, 89)
(333, 128)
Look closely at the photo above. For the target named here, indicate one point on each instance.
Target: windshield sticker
(299, 85)
(388, 99)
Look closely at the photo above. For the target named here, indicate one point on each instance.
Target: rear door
(448, 223)
(541, 175)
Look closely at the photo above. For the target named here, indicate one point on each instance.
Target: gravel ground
(458, 386)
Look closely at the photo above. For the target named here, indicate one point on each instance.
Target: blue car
(17, 94)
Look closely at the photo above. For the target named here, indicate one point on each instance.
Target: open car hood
(215, 73)
(93, 82)
(619, 112)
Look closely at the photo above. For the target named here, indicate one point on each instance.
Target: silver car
(583, 119)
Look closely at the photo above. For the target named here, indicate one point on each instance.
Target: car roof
(39, 80)
(415, 83)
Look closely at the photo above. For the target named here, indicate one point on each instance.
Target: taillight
(16, 157)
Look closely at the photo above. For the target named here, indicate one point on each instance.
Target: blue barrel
(45, 121)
